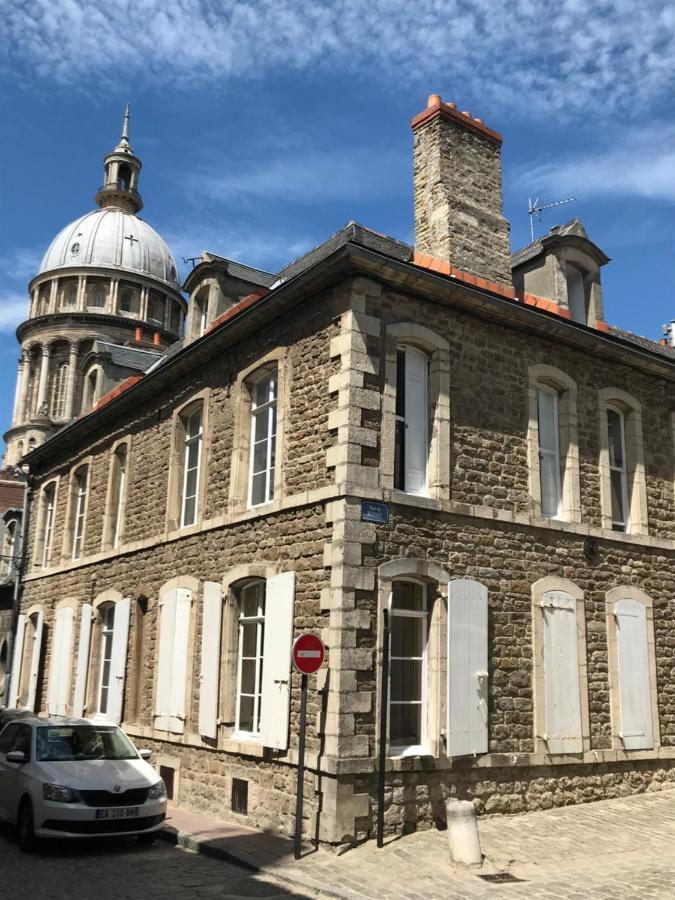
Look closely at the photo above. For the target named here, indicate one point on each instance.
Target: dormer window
(576, 294)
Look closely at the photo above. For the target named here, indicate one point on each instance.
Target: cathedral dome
(112, 238)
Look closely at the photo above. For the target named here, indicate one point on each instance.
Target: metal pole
(301, 768)
(384, 703)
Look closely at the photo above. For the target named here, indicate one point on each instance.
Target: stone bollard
(463, 839)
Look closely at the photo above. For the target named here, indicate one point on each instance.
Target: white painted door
(275, 702)
(634, 681)
(561, 673)
(467, 727)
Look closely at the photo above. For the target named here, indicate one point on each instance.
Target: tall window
(79, 510)
(192, 452)
(250, 657)
(156, 308)
(47, 523)
(96, 294)
(90, 390)
(201, 315)
(616, 434)
(7, 562)
(411, 441)
(107, 623)
(117, 494)
(129, 304)
(263, 438)
(576, 294)
(58, 404)
(68, 293)
(407, 713)
(549, 452)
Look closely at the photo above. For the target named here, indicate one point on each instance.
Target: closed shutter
(210, 674)
(275, 703)
(167, 625)
(59, 679)
(17, 656)
(467, 730)
(118, 660)
(180, 660)
(35, 661)
(82, 665)
(561, 674)
(634, 681)
(416, 421)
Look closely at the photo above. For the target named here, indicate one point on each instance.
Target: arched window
(90, 393)
(59, 385)
(618, 475)
(192, 457)
(79, 509)
(97, 294)
(408, 667)
(549, 451)
(45, 526)
(412, 421)
(106, 614)
(251, 598)
(68, 293)
(117, 495)
(623, 486)
(263, 437)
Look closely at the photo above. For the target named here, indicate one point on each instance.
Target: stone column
(81, 290)
(20, 392)
(144, 304)
(43, 384)
(72, 379)
(52, 295)
(113, 295)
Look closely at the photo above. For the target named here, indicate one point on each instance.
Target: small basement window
(240, 796)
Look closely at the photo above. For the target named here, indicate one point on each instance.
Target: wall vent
(240, 796)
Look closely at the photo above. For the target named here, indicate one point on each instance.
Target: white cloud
(13, 310)
(639, 164)
(564, 58)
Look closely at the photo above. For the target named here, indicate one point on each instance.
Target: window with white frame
(48, 497)
(59, 385)
(250, 657)
(549, 451)
(618, 476)
(107, 630)
(408, 668)
(192, 455)
(79, 510)
(117, 494)
(412, 425)
(8, 562)
(263, 438)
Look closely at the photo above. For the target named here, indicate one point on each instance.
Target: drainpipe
(20, 558)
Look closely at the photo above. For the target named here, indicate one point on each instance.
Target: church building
(442, 454)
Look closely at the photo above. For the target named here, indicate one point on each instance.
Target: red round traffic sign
(308, 653)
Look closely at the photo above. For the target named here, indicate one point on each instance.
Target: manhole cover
(501, 878)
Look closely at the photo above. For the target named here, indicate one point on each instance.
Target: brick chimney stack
(458, 192)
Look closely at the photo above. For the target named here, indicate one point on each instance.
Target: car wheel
(25, 829)
(148, 838)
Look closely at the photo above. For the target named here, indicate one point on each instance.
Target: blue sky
(264, 127)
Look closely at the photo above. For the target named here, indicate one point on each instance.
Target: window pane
(246, 714)
(406, 636)
(189, 511)
(408, 595)
(406, 679)
(249, 632)
(191, 483)
(249, 600)
(260, 457)
(617, 484)
(548, 424)
(264, 390)
(614, 433)
(548, 464)
(258, 489)
(248, 676)
(405, 725)
(399, 456)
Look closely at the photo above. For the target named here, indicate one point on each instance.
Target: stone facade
(329, 337)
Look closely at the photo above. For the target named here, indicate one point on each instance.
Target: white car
(76, 778)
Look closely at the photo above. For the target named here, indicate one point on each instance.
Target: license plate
(121, 812)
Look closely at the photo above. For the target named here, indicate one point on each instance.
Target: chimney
(458, 192)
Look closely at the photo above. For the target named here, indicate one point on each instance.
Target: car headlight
(157, 791)
(60, 794)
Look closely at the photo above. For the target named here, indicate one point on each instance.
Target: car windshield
(65, 743)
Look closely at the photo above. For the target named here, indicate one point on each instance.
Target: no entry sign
(308, 654)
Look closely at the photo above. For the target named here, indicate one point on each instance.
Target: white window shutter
(212, 610)
(17, 656)
(167, 625)
(35, 661)
(59, 679)
(276, 695)
(561, 673)
(416, 421)
(467, 730)
(180, 661)
(118, 660)
(82, 665)
(634, 681)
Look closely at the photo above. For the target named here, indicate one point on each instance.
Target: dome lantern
(121, 174)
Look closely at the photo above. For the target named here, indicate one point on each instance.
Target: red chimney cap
(436, 107)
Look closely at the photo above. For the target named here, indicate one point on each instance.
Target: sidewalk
(610, 849)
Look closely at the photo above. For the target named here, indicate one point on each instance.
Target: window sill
(420, 500)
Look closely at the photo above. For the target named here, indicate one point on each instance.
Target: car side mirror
(145, 754)
(16, 756)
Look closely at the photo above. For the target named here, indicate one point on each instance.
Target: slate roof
(128, 357)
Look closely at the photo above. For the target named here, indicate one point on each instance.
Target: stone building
(444, 434)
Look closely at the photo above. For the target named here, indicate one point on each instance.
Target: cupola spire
(122, 170)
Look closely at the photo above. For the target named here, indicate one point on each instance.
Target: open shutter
(167, 625)
(118, 660)
(634, 681)
(467, 730)
(416, 421)
(180, 658)
(82, 665)
(561, 674)
(210, 674)
(275, 703)
(17, 656)
(35, 661)
(59, 680)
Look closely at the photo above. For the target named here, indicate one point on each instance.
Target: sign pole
(301, 768)
(384, 702)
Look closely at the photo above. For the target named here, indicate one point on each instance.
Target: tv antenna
(192, 259)
(535, 208)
